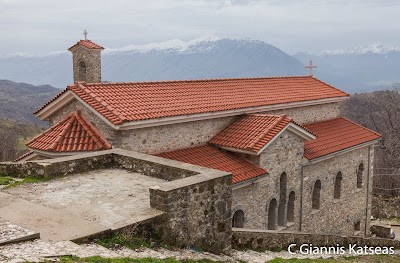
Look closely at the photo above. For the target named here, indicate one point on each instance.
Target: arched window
(338, 186)
(357, 228)
(272, 214)
(82, 70)
(290, 207)
(316, 196)
(238, 219)
(282, 199)
(360, 175)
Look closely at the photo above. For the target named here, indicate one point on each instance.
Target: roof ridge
(85, 122)
(60, 136)
(265, 132)
(23, 156)
(49, 129)
(197, 80)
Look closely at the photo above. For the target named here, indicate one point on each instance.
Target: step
(11, 233)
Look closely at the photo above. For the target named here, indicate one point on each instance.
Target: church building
(296, 164)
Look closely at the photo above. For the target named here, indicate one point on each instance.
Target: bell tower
(86, 60)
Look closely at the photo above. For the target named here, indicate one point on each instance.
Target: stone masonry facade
(344, 212)
(255, 199)
(86, 65)
(287, 187)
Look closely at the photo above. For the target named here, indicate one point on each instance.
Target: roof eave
(251, 181)
(340, 152)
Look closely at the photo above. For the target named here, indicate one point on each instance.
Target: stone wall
(198, 211)
(385, 207)
(284, 155)
(381, 230)
(174, 136)
(344, 212)
(311, 114)
(104, 128)
(92, 60)
(116, 158)
(272, 240)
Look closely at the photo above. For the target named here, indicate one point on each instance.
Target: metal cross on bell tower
(85, 33)
(310, 67)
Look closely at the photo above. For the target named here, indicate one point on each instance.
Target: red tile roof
(23, 156)
(252, 132)
(125, 102)
(208, 156)
(73, 134)
(86, 43)
(336, 135)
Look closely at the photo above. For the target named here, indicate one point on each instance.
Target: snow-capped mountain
(374, 48)
(209, 57)
(357, 69)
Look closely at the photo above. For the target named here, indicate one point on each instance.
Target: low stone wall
(272, 240)
(115, 158)
(198, 211)
(381, 230)
(385, 207)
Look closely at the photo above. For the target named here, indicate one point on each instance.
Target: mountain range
(353, 70)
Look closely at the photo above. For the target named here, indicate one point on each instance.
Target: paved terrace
(113, 189)
(80, 204)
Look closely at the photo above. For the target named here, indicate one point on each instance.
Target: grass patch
(29, 180)
(6, 180)
(120, 240)
(128, 260)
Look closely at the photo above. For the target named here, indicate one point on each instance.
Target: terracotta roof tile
(336, 135)
(86, 43)
(134, 101)
(208, 156)
(252, 132)
(23, 156)
(73, 134)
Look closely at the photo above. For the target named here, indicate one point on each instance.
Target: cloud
(48, 25)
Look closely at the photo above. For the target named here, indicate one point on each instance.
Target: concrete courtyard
(79, 205)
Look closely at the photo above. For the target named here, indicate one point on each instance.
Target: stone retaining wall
(198, 211)
(273, 240)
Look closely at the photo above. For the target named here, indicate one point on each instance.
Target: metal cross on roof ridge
(85, 33)
(310, 67)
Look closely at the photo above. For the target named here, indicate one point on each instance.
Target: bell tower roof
(87, 44)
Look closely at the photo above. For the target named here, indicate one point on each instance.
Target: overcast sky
(41, 26)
